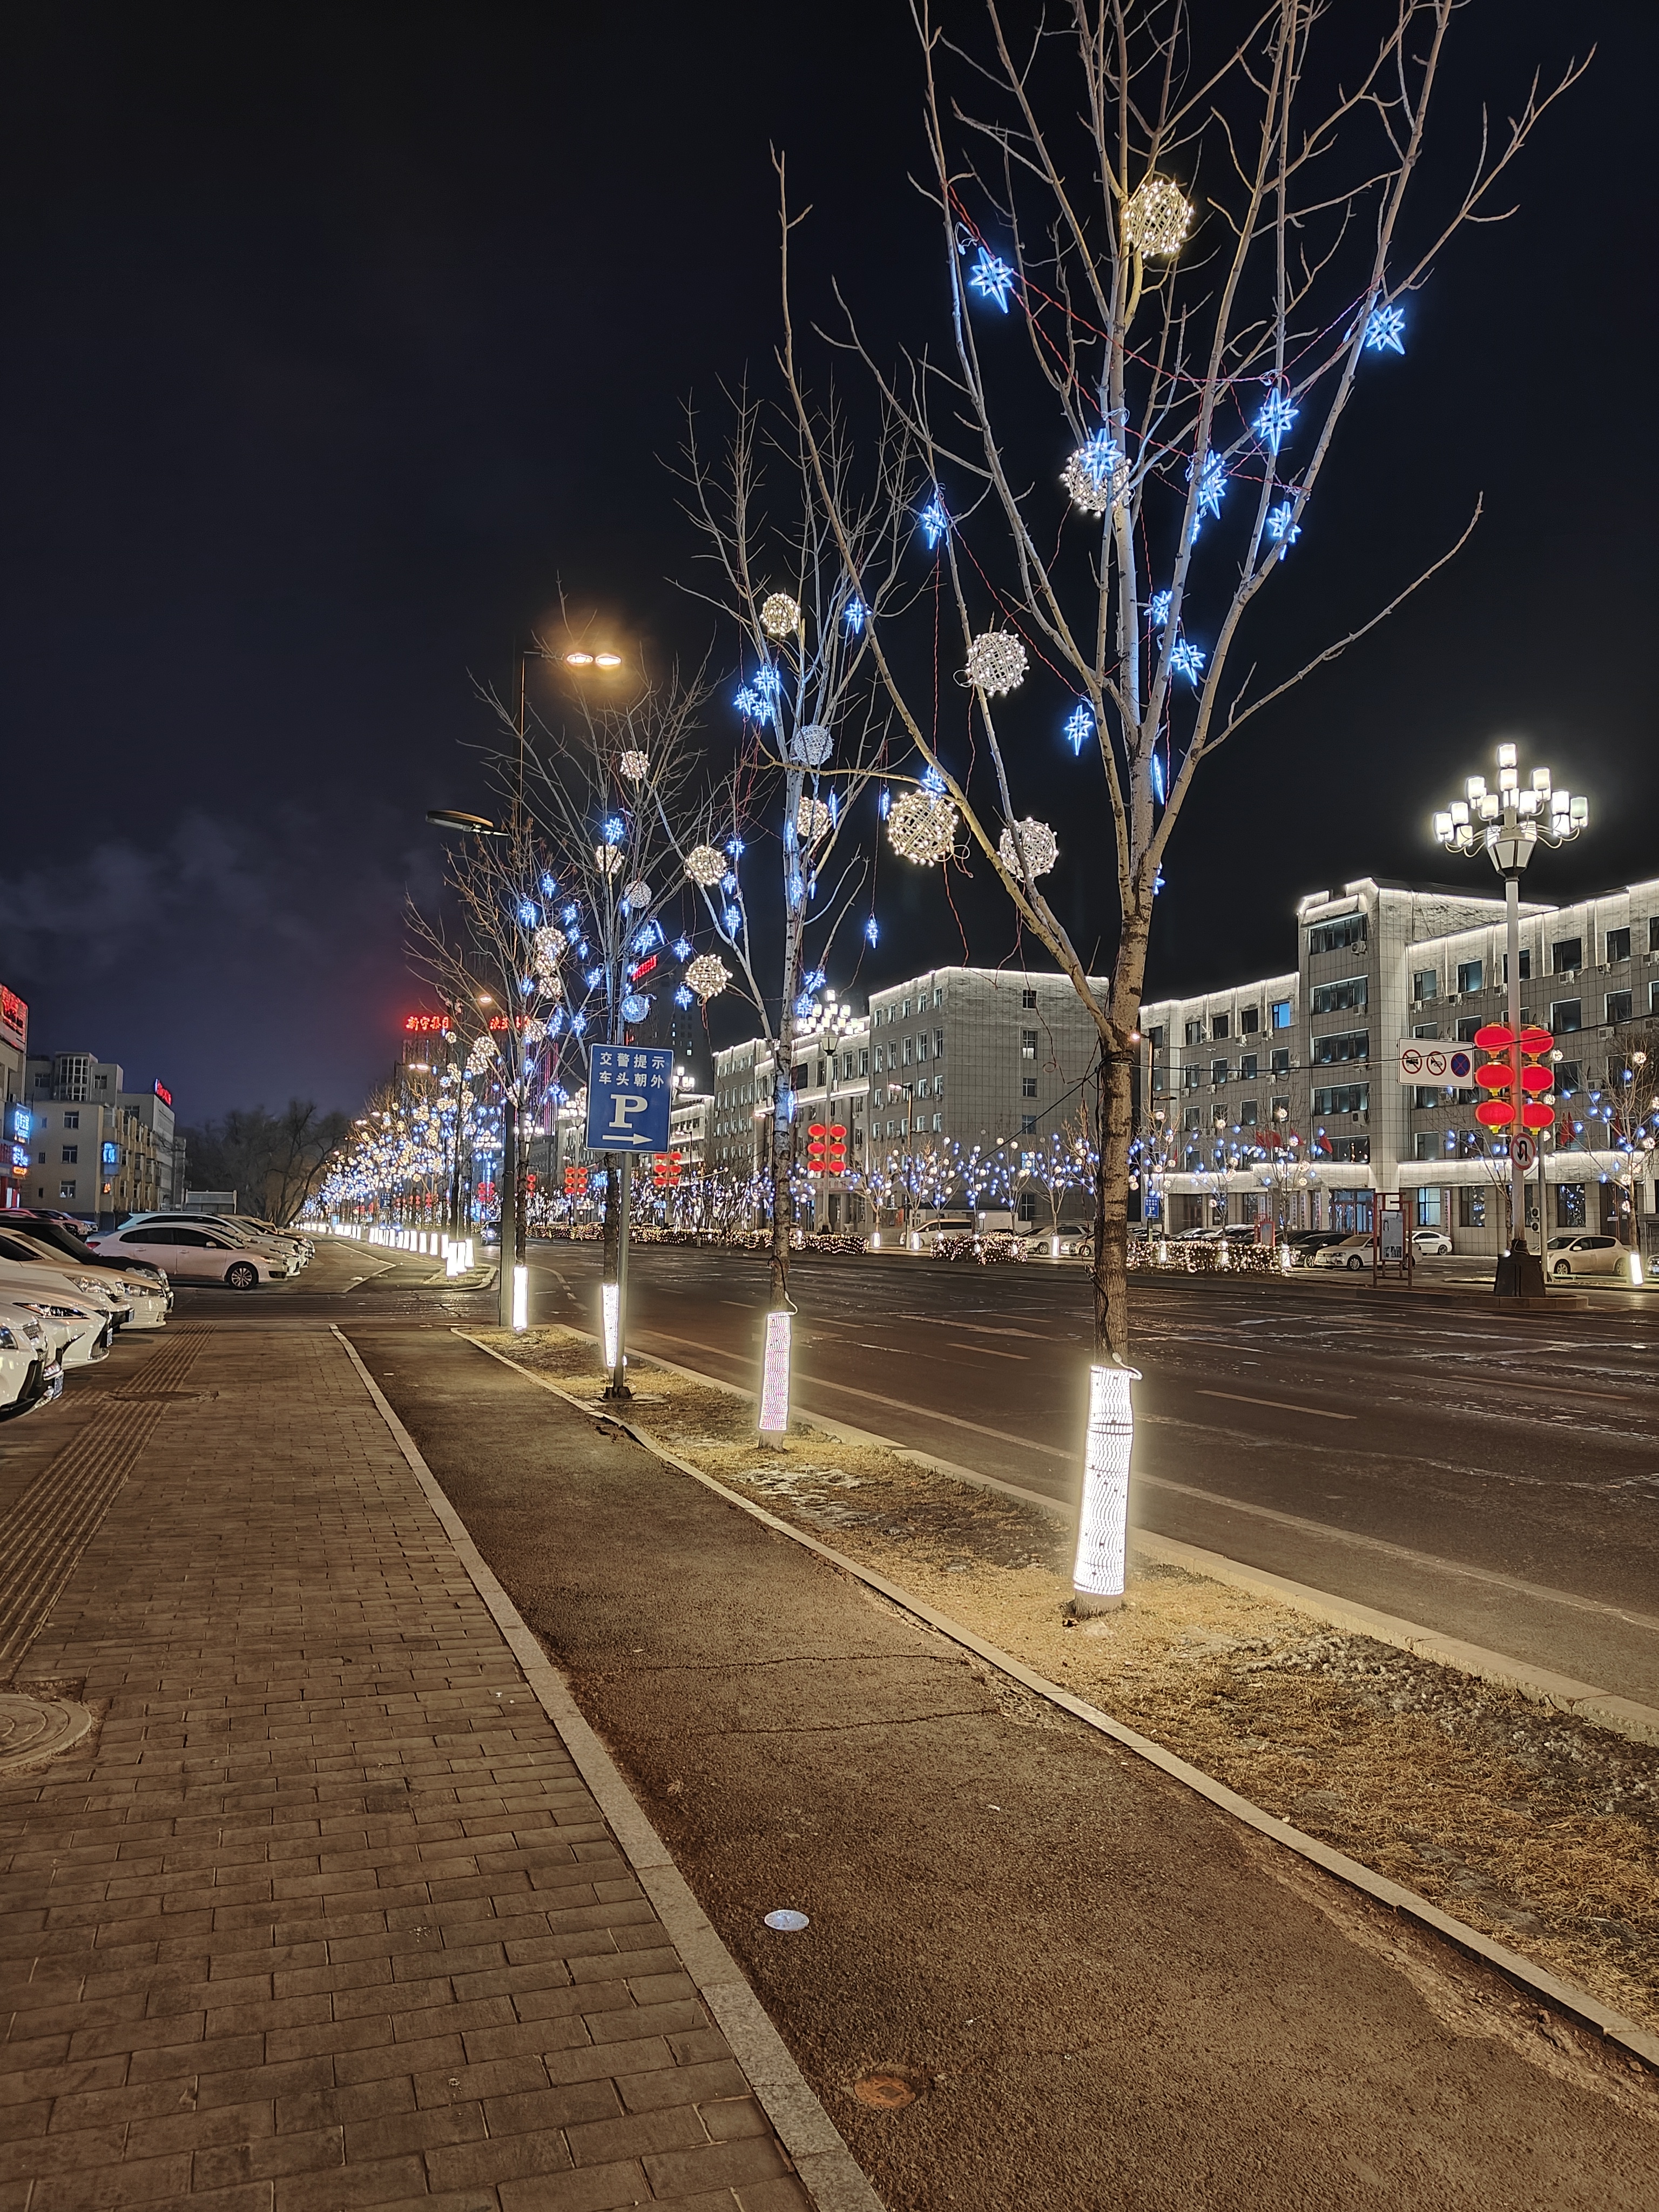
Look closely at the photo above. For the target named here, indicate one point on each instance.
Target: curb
(1614, 2027)
(827, 2171)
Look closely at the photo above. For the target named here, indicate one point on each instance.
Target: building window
(1566, 1014)
(1570, 1206)
(1281, 1060)
(1247, 1114)
(1653, 932)
(70, 1122)
(1526, 965)
(1191, 1077)
(1467, 1028)
(1653, 997)
(1280, 1106)
(1344, 1098)
(1567, 956)
(1250, 1021)
(864, 1063)
(1342, 1044)
(1155, 1038)
(1028, 999)
(1220, 1027)
(1566, 1075)
(1194, 1032)
(1424, 1146)
(1358, 1149)
(1028, 1044)
(72, 1154)
(1279, 1014)
(922, 1046)
(1247, 1068)
(1348, 929)
(1423, 1098)
(1425, 984)
(1472, 1206)
(1028, 1087)
(938, 1001)
(1339, 998)
(1158, 1072)
(1218, 1073)
(1618, 946)
(1028, 1124)
(1619, 1006)
(1470, 973)
(1426, 1029)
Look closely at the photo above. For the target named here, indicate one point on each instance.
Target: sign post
(629, 1090)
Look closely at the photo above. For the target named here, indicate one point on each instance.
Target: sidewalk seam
(827, 2169)
(1577, 2003)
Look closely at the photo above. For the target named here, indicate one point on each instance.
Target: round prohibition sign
(1524, 1151)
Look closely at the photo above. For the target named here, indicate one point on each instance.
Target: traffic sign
(1421, 1061)
(629, 1090)
(1524, 1151)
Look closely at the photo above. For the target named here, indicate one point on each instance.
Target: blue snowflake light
(871, 931)
(581, 948)
(933, 783)
(1385, 331)
(1162, 603)
(934, 521)
(549, 887)
(814, 979)
(732, 920)
(855, 615)
(1280, 527)
(683, 996)
(681, 948)
(1186, 661)
(571, 913)
(1155, 777)
(993, 279)
(728, 883)
(636, 1007)
(1157, 883)
(750, 704)
(803, 1008)
(1275, 419)
(556, 1021)
(579, 1025)
(735, 847)
(650, 935)
(526, 985)
(795, 889)
(528, 912)
(613, 829)
(594, 978)
(767, 681)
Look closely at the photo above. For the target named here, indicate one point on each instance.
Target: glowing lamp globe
(996, 663)
(1041, 848)
(779, 615)
(708, 975)
(1157, 217)
(811, 747)
(923, 828)
(705, 864)
(638, 894)
(636, 1007)
(635, 766)
(811, 821)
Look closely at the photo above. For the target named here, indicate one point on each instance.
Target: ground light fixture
(520, 1298)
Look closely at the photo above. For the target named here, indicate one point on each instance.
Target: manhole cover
(887, 2092)
(35, 1728)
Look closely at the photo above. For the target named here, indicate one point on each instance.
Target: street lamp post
(1510, 823)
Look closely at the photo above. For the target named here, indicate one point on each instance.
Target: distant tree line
(273, 1162)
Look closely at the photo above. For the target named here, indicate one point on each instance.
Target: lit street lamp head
(1510, 821)
(456, 817)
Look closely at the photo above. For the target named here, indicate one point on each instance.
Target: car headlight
(8, 1341)
(90, 1283)
(67, 1313)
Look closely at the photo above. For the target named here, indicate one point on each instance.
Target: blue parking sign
(629, 1090)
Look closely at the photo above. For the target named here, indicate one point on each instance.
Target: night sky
(337, 337)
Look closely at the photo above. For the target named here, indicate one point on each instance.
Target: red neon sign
(14, 1015)
(164, 1094)
(427, 1025)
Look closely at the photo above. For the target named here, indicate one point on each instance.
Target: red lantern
(1495, 1113)
(1494, 1036)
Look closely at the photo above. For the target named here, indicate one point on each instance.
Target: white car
(1351, 1252)
(1430, 1242)
(1580, 1254)
(31, 1374)
(191, 1254)
(143, 1298)
(81, 1323)
(290, 1240)
(222, 1225)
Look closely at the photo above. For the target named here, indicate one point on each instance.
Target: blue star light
(1280, 527)
(683, 996)
(871, 931)
(581, 948)
(1162, 603)
(934, 521)
(613, 829)
(1186, 661)
(933, 783)
(578, 1024)
(803, 1008)
(650, 935)
(750, 704)
(572, 913)
(855, 615)
(528, 912)
(991, 278)
(636, 1007)
(736, 849)
(814, 979)
(1385, 331)
(549, 889)
(1275, 419)
(1079, 726)
(767, 681)
(733, 919)
(681, 948)
(556, 1021)
(594, 978)
(526, 985)
(728, 883)
(1212, 487)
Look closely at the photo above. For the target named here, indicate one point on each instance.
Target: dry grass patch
(1535, 1826)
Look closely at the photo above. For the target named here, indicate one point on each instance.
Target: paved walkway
(326, 1915)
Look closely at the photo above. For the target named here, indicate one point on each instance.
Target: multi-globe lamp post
(1510, 823)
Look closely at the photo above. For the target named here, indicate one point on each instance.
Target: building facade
(16, 1121)
(1313, 1056)
(96, 1148)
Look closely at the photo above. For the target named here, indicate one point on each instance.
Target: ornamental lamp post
(1510, 823)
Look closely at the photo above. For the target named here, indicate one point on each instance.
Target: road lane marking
(989, 1350)
(1280, 1405)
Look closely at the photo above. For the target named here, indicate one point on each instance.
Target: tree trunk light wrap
(520, 1298)
(1102, 1528)
(775, 1376)
(611, 1309)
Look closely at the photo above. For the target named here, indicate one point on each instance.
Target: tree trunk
(1115, 1113)
(783, 1144)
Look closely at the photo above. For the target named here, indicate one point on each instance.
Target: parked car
(143, 1298)
(1352, 1252)
(290, 1240)
(52, 1230)
(1430, 1242)
(31, 1374)
(193, 1254)
(81, 1324)
(1310, 1242)
(222, 1224)
(1582, 1253)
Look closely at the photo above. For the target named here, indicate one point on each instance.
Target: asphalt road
(1497, 1479)
(1104, 1991)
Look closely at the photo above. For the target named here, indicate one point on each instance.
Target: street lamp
(1510, 823)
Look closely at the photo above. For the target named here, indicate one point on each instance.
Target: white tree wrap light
(1157, 217)
(775, 1376)
(779, 615)
(1041, 848)
(1102, 1528)
(708, 975)
(705, 864)
(923, 828)
(996, 663)
(811, 746)
(610, 1320)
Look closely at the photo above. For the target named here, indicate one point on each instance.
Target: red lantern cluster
(665, 1170)
(575, 1182)
(826, 1148)
(1516, 1080)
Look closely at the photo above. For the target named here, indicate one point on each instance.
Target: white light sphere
(996, 663)
(546, 949)
(1041, 848)
(1157, 217)
(607, 860)
(923, 828)
(636, 766)
(779, 615)
(638, 894)
(705, 864)
(811, 821)
(706, 976)
(535, 1032)
(811, 747)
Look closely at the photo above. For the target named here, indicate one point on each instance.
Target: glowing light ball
(1041, 848)
(813, 821)
(535, 1032)
(811, 747)
(779, 615)
(636, 766)
(1157, 217)
(546, 949)
(607, 860)
(705, 864)
(636, 1007)
(708, 975)
(638, 894)
(923, 828)
(996, 663)
(1097, 1575)
(1095, 474)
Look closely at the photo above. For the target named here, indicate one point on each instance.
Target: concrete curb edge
(827, 2169)
(1579, 2004)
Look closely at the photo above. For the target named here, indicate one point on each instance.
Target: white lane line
(988, 1350)
(1280, 1405)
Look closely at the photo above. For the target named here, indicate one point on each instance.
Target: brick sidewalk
(327, 1916)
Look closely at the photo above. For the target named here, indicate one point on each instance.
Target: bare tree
(1203, 246)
